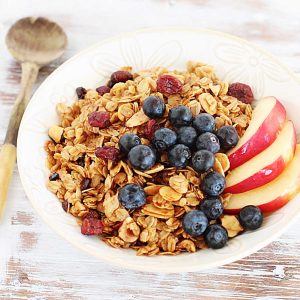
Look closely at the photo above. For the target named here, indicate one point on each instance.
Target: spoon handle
(8, 150)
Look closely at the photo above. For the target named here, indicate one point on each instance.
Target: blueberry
(142, 157)
(213, 184)
(154, 107)
(128, 141)
(54, 177)
(132, 196)
(216, 236)
(180, 116)
(251, 217)
(208, 141)
(164, 138)
(212, 207)
(179, 156)
(154, 151)
(228, 137)
(204, 123)
(203, 160)
(187, 135)
(194, 222)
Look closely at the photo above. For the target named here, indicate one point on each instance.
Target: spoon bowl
(36, 40)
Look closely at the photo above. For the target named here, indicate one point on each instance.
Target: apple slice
(267, 120)
(265, 166)
(273, 195)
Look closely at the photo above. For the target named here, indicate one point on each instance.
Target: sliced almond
(155, 169)
(142, 173)
(169, 194)
(224, 161)
(209, 103)
(179, 183)
(195, 107)
(215, 88)
(152, 190)
(192, 201)
(232, 225)
(116, 169)
(125, 111)
(181, 202)
(143, 87)
(137, 119)
(186, 245)
(111, 106)
(120, 178)
(160, 202)
(218, 167)
(161, 213)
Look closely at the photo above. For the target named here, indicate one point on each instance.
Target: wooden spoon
(34, 42)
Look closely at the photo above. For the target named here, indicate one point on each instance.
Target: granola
(87, 182)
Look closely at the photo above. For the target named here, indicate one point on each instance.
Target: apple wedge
(265, 166)
(267, 120)
(273, 195)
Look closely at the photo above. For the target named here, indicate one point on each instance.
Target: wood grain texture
(36, 263)
(8, 158)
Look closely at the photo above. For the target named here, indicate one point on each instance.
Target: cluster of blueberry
(196, 222)
(192, 135)
(194, 142)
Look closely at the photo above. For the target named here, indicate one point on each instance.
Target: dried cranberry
(80, 91)
(120, 76)
(92, 214)
(106, 152)
(65, 205)
(103, 90)
(150, 128)
(160, 178)
(91, 226)
(167, 84)
(241, 91)
(81, 161)
(54, 177)
(99, 119)
(85, 184)
(110, 84)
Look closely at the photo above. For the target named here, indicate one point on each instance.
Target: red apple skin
(270, 172)
(267, 207)
(265, 175)
(258, 179)
(281, 200)
(263, 137)
(273, 205)
(276, 203)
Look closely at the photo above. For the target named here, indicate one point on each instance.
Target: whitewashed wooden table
(35, 263)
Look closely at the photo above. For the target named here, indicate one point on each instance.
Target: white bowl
(234, 60)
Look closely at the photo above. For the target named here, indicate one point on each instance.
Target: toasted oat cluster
(88, 169)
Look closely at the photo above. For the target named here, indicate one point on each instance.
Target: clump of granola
(90, 175)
